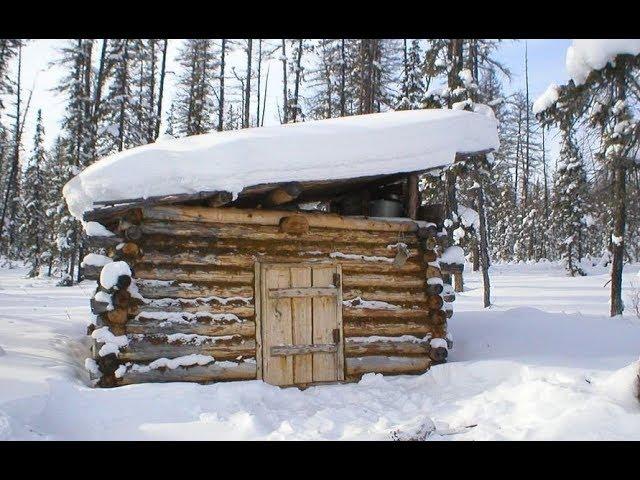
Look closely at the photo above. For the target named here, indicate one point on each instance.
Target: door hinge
(336, 280)
(336, 335)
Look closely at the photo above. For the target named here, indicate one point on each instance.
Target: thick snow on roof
(586, 55)
(375, 144)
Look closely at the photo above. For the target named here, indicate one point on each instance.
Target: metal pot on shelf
(385, 207)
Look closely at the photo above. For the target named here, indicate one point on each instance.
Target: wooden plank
(302, 351)
(302, 318)
(149, 350)
(340, 353)
(272, 217)
(213, 372)
(324, 322)
(277, 329)
(386, 365)
(303, 292)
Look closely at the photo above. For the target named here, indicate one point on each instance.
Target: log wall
(194, 272)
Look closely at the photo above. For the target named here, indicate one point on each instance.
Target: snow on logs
(194, 271)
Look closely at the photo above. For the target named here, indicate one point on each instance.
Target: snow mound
(95, 259)
(337, 148)
(622, 386)
(110, 273)
(547, 99)
(454, 255)
(586, 55)
(95, 229)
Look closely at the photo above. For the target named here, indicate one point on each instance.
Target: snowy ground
(545, 362)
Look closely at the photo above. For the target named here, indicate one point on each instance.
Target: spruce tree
(33, 230)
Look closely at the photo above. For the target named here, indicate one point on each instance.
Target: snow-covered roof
(332, 149)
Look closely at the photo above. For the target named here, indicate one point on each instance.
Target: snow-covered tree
(33, 228)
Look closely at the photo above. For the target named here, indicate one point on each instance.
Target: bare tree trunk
(258, 86)
(617, 246)
(484, 248)
(163, 70)
(285, 96)
(546, 198)
(525, 172)
(122, 93)
(343, 67)
(247, 86)
(296, 86)
(264, 101)
(13, 173)
(221, 95)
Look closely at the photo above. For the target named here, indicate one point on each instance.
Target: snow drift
(375, 144)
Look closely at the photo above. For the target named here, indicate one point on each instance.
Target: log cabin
(295, 254)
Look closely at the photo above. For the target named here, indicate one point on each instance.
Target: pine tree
(569, 206)
(33, 229)
(601, 98)
(413, 86)
(195, 110)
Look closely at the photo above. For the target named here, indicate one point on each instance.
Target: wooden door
(301, 323)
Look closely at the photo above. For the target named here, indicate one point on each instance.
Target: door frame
(257, 300)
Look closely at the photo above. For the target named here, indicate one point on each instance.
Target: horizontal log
(147, 272)
(360, 348)
(103, 242)
(263, 233)
(113, 207)
(199, 247)
(400, 313)
(246, 277)
(432, 272)
(247, 259)
(368, 328)
(451, 268)
(156, 327)
(240, 310)
(303, 292)
(285, 350)
(156, 290)
(147, 350)
(378, 280)
(282, 194)
(213, 372)
(272, 217)
(386, 365)
(397, 297)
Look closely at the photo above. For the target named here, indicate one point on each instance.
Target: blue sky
(546, 65)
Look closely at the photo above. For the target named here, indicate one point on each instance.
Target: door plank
(277, 328)
(302, 316)
(324, 322)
